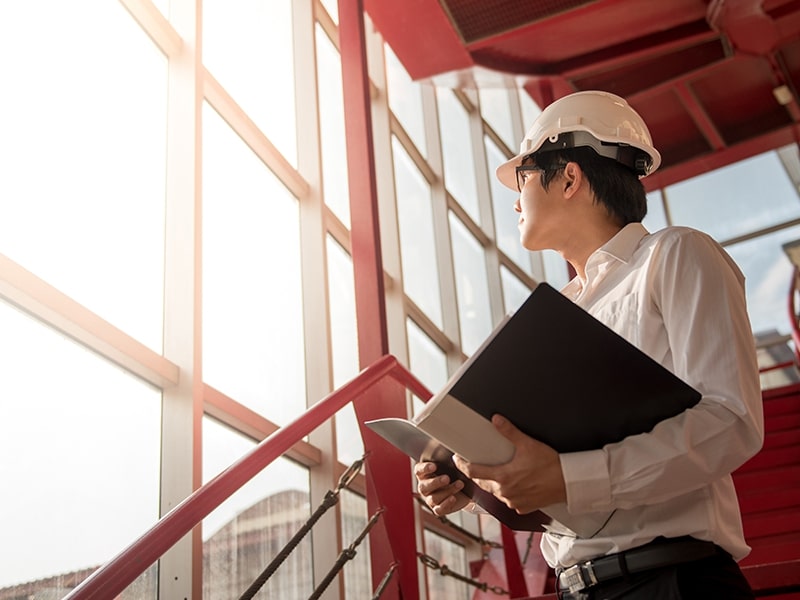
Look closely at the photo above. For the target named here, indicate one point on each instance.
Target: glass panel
(331, 114)
(514, 291)
(405, 99)
(252, 295)
(555, 268)
(427, 360)
(530, 111)
(332, 6)
(458, 157)
(79, 446)
(417, 245)
(240, 43)
(472, 287)
(696, 202)
(768, 274)
(344, 341)
(357, 571)
(83, 149)
(656, 216)
(245, 533)
(496, 110)
(445, 552)
(505, 217)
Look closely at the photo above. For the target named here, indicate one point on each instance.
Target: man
(655, 515)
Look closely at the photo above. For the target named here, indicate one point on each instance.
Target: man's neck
(586, 241)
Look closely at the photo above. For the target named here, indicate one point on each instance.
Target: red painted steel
(364, 224)
(517, 588)
(793, 314)
(392, 543)
(113, 577)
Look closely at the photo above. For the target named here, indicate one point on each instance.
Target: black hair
(615, 186)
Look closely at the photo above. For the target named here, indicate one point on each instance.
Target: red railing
(113, 577)
(793, 314)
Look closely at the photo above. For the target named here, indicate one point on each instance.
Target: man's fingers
(474, 470)
(423, 470)
(427, 487)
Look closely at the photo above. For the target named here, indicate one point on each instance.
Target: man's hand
(442, 496)
(531, 480)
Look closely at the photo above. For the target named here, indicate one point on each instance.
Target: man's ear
(573, 178)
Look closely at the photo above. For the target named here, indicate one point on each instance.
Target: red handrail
(117, 574)
(793, 315)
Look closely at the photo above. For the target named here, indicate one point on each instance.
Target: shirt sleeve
(699, 293)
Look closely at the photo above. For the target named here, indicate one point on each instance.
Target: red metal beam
(113, 577)
(393, 542)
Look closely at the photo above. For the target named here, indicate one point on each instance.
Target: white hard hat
(600, 120)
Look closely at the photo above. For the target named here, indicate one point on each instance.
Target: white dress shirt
(679, 297)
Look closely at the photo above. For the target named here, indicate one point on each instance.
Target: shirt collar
(624, 243)
(620, 247)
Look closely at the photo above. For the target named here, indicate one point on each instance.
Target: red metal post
(388, 474)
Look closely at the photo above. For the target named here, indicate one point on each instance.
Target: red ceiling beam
(726, 156)
(421, 35)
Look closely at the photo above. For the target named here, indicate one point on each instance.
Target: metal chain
(432, 563)
(461, 530)
(330, 499)
(347, 554)
(528, 545)
(384, 582)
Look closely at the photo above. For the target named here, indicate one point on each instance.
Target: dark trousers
(717, 577)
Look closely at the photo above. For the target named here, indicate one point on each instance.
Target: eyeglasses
(524, 172)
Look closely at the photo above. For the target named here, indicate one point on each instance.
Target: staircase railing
(118, 573)
(794, 313)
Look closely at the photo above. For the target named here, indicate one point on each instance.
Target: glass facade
(178, 277)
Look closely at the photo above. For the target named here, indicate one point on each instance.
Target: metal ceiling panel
(716, 80)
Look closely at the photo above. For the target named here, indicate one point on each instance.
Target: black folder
(560, 375)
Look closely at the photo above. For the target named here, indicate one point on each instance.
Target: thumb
(506, 427)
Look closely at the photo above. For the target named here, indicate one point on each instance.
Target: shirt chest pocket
(621, 315)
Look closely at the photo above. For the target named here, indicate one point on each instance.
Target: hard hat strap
(634, 158)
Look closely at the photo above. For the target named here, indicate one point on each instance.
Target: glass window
(358, 570)
(505, 217)
(252, 295)
(656, 216)
(344, 341)
(240, 41)
(427, 360)
(556, 269)
(458, 156)
(514, 291)
(737, 199)
(332, 6)
(405, 99)
(331, 115)
(83, 154)
(247, 531)
(768, 276)
(449, 554)
(79, 446)
(496, 110)
(417, 245)
(530, 112)
(472, 287)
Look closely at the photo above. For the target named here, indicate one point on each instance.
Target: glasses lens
(523, 173)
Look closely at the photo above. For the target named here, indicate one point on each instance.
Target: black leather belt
(659, 553)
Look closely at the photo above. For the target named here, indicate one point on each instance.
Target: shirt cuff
(587, 481)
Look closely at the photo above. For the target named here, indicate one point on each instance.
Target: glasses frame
(524, 169)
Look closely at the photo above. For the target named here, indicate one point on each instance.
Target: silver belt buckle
(578, 577)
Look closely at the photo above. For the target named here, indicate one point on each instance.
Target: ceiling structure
(716, 80)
